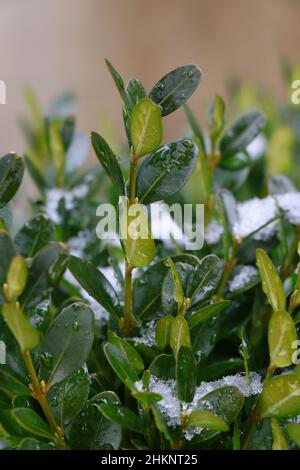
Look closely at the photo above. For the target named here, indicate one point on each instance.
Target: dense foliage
(142, 344)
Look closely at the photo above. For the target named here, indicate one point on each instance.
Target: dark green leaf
(12, 386)
(96, 285)
(132, 355)
(205, 279)
(121, 365)
(11, 175)
(163, 367)
(171, 289)
(219, 369)
(122, 415)
(109, 161)
(34, 235)
(242, 132)
(119, 83)
(236, 161)
(166, 171)
(135, 92)
(31, 422)
(175, 88)
(67, 343)
(226, 402)
(207, 312)
(33, 444)
(185, 374)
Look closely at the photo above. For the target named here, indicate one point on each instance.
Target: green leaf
(132, 355)
(219, 369)
(175, 88)
(109, 161)
(135, 92)
(31, 422)
(135, 233)
(119, 83)
(178, 290)
(163, 367)
(147, 398)
(166, 171)
(12, 386)
(147, 287)
(162, 332)
(242, 132)
(185, 374)
(19, 325)
(119, 362)
(7, 251)
(205, 279)
(169, 288)
(34, 235)
(196, 129)
(90, 430)
(279, 442)
(68, 397)
(226, 402)
(294, 432)
(145, 127)
(11, 175)
(96, 285)
(280, 397)
(57, 148)
(208, 420)
(161, 423)
(36, 175)
(271, 282)
(40, 279)
(236, 161)
(122, 415)
(207, 312)
(33, 444)
(67, 343)
(281, 336)
(217, 117)
(16, 278)
(179, 334)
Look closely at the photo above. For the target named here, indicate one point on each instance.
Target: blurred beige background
(56, 45)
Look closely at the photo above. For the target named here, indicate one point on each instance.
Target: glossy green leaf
(185, 374)
(242, 132)
(162, 332)
(219, 369)
(175, 289)
(34, 235)
(147, 398)
(179, 334)
(294, 432)
(11, 175)
(31, 422)
(67, 343)
(68, 397)
(166, 171)
(279, 442)
(271, 282)
(40, 280)
(207, 312)
(226, 402)
(205, 279)
(208, 420)
(118, 82)
(109, 161)
(163, 367)
(135, 232)
(91, 431)
(178, 294)
(147, 287)
(16, 278)
(145, 127)
(132, 355)
(33, 444)
(11, 386)
(19, 325)
(175, 88)
(280, 397)
(122, 415)
(96, 285)
(135, 92)
(281, 336)
(119, 362)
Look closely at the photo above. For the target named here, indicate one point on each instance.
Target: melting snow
(252, 214)
(147, 335)
(55, 195)
(213, 232)
(290, 204)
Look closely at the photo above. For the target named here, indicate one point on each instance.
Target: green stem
(39, 395)
(127, 322)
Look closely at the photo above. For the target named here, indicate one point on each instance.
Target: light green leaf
(146, 127)
(279, 442)
(18, 323)
(281, 336)
(280, 397)
(271, 282)
(208, 420)
(179, 334)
